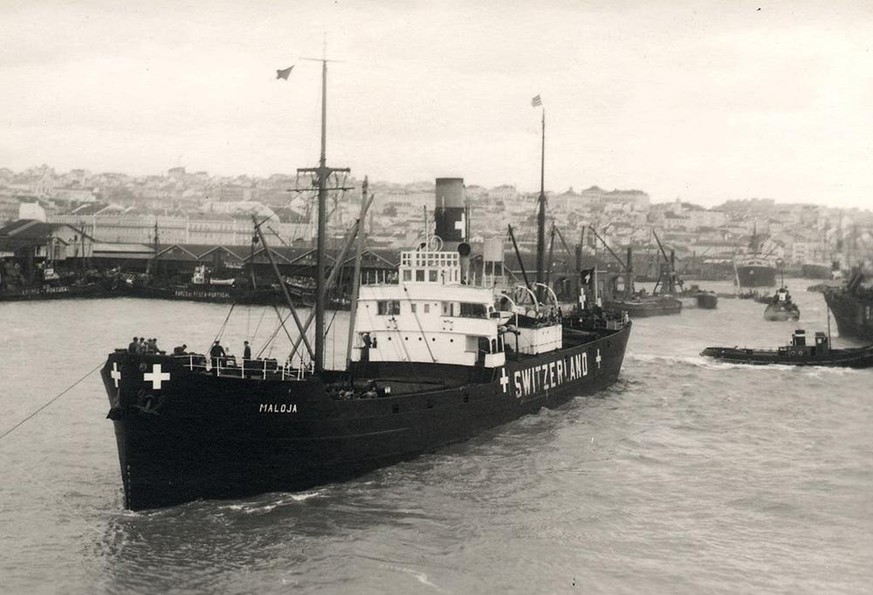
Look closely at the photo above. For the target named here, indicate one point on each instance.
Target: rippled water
(686, 477)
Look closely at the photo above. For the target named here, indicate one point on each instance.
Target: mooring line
(49, 402)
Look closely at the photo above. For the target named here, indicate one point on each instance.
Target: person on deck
(217, 354)
(132, 348)
(247, 355)
(180, 350)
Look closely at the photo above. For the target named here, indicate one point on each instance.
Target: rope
(257, 328)
(221, 330)
(420, 328)
(49, 402)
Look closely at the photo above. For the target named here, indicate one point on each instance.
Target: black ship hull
(216, 294)
(707, 300)
(852, 312)
(59, 292)
(644, 307)
(193, 435)
(756, 276)
(861, 357)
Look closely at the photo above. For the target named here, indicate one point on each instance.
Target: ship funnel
(449, 211)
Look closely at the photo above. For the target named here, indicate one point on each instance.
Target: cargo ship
(432, 359)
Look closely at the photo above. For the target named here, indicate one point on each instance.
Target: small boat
(643, 306)
(781, 307)
(798, 353)
(707, 300)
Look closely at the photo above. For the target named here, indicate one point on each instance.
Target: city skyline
(705, 102)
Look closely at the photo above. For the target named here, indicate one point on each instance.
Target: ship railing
(229, 366)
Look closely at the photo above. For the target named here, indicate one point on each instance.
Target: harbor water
(687, 476)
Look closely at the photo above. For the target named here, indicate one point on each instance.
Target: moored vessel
(852, 307)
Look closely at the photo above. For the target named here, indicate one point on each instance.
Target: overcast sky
(704, 101)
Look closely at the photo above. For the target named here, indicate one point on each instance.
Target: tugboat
(431, 361)
(781, 307)
(798, 353)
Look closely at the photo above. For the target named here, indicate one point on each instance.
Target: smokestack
(449, 210)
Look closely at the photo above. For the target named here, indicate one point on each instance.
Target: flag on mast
(536, 101)
(284, 73)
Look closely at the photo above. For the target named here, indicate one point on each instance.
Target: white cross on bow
(115, 373)
(504, 379)
(598, 358)
(459, 225)
(156, 376)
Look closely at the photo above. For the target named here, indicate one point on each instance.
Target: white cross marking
(115, 373)
(459, 225)
(156, 377)
(504, 379)
(598, 358)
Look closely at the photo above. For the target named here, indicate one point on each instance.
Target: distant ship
(432, 359)
(52, 286)
(852, 307)
(755, 269)
(200, 288)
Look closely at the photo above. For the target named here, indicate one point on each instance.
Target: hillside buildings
(184, 207)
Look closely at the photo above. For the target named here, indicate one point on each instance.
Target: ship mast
(541, 212)
(322, 174)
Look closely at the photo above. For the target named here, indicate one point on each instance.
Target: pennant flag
(587, 275)
(284, 73)
(536, 101)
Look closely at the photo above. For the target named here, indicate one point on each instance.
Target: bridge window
(469, 310)
(388, 307)
(407, 275)
(419, 275)
(413, 307)
(432, 276)
(427, 308)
